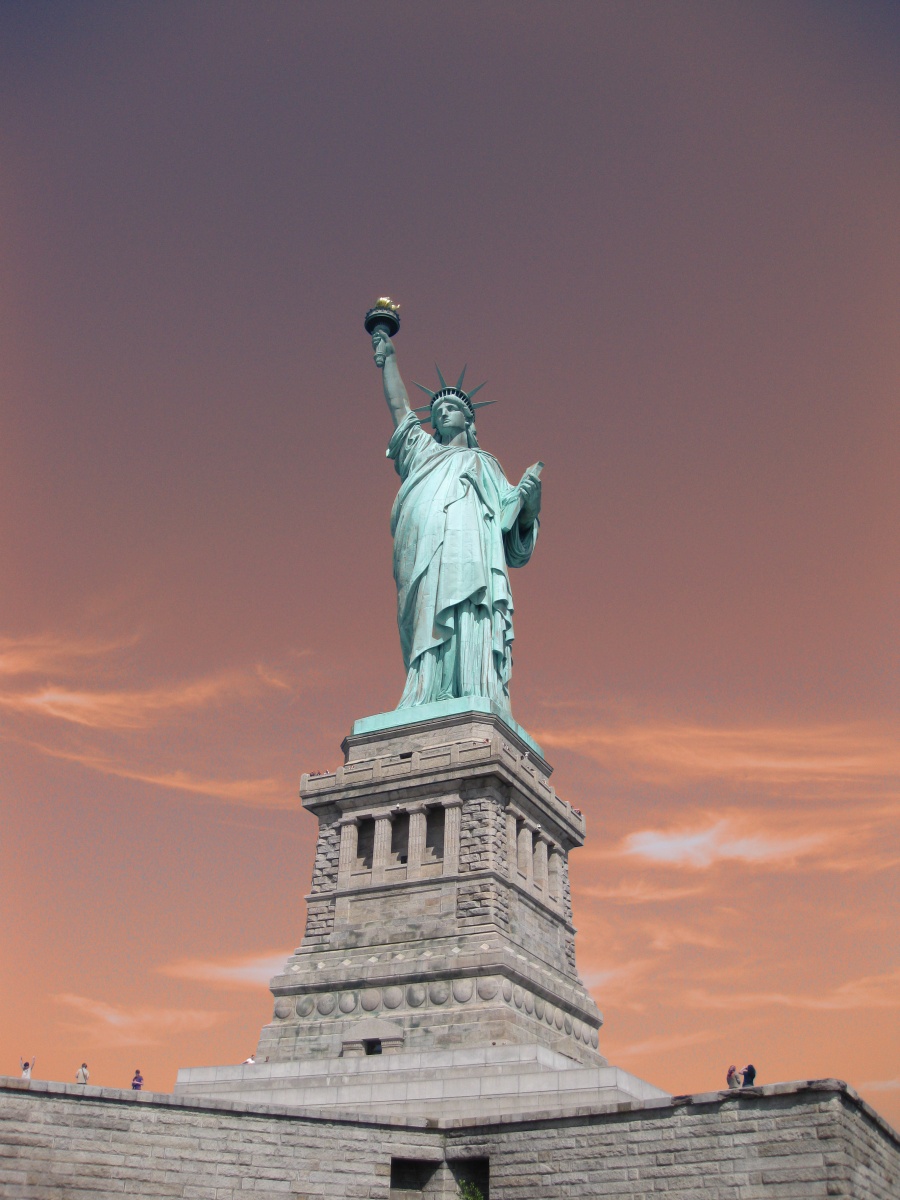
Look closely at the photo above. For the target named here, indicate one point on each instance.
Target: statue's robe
(456, 531)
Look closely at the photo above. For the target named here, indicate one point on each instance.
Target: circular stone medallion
(371, 998)
(568, 1023)
(576, 1029)
(439, 992)
(558, 1018)
(529, 1002)
(305, 1005)
(325, 1004)
(415, 994)
(518, 997)
(487, 988)
(595, 1040)
(393, 997)
(283, 1007)
(507, 990)
(462, 990)
(549, 1013)
(347, 1002)
(539, 1007)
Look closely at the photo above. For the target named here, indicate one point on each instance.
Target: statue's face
(449, 418)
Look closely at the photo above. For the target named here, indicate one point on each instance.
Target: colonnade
(384, 857)
(534, 860)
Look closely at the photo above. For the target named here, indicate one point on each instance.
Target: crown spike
(484, 403)
(462, 376)
(440, 376)
(477, 389)
(427, 391)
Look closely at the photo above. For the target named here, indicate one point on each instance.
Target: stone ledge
(654, 1108)
(690, 1100)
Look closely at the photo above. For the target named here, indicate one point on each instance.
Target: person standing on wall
(82, 1075)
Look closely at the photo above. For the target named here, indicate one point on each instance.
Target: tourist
(249, 1062)
(749, 1075)
(138, 1082)
(733, 1077)
(82, 1075)
(27, 1067)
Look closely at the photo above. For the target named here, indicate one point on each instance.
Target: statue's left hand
(530, 491)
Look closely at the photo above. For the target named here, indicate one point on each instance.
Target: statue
(458, 525)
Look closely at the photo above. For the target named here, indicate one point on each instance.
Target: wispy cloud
(638, 891)
(871, 991)
(109, 1025)
(251, 971)
(119, 715)
(717, 842)
(664, 937)
(879, 1085)
(130, 709)
(270, 792)
(675, 1041)
(45, 653)
(771, 755)
(619, 985)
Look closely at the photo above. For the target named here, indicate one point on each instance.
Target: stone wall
(804, 1140)
(801, 1141)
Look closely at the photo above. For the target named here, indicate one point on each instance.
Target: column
(565, 893)
(415, 855)
(540, 862)
(555, 873)
(347, 855)
(452, 826)
(526, 851)
(382, 850)
(512, 850)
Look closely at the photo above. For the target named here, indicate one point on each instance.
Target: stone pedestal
(431, 907)
(439, 922)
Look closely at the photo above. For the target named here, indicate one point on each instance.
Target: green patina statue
(458, 525)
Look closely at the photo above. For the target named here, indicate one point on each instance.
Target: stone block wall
(782, 1142)
(797, 1141)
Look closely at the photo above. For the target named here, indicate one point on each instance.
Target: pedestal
(439, 937)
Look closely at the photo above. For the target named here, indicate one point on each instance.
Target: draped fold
(456, 532)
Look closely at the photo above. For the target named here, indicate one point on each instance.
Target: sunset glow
(667, 235)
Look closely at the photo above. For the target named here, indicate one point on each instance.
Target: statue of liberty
(458, 526)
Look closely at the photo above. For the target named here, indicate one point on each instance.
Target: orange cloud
(250, 971)
(131, 710)
(638, 892)
(659, 1045)
(109, 1025)
(667, 752)
(872, 991)
(111, 708)
(50, 652)
(720, 841)
(667, 937)
(268, 793)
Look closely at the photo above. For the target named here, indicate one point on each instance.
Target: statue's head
(451, 409)
(451, 414)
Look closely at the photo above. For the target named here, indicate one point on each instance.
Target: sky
(666, 235)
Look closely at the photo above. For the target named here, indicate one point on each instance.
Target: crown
(455, 392)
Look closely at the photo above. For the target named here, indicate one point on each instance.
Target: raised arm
(394, 387)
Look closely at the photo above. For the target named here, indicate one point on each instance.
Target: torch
(385, 316)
